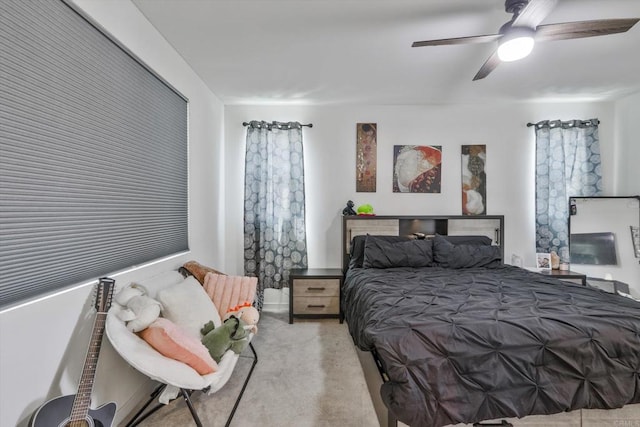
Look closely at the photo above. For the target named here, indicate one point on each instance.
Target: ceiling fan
(517, 37)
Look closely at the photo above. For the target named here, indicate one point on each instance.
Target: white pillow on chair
(188, 305)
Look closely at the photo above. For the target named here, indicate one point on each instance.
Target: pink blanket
(228, 292)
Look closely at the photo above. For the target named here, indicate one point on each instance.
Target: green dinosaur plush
(232, 334)
(365, 209)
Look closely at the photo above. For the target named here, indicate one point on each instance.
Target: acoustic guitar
(73, 410)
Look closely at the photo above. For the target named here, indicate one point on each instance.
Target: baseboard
(135, 402)
(275, 308)
(276, 300)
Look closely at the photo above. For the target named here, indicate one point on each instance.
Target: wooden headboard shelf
(491, 226)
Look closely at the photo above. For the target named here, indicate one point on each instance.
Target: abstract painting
(366, 157)
(474, 180)
(416, 168)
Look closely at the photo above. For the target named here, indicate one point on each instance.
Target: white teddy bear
(138, 309)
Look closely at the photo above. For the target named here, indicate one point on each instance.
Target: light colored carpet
(308, 374)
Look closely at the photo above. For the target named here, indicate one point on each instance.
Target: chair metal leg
(136, 418)
(244, 386)
(186, 394)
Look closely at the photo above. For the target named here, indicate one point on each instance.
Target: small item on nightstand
(555, 260)
(516, 260)
(564, 266)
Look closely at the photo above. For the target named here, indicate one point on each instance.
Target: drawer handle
(316, 289)
(316, 306)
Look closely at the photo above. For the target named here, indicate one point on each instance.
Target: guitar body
(55, 413)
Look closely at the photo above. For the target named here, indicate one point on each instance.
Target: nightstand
(315, 293)
(570, 276)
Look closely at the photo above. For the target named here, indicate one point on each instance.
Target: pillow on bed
(380, 253)
(468, 240)
(449, 255)
(357, 247)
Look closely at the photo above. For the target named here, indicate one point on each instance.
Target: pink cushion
(173, 342)
(228, 292)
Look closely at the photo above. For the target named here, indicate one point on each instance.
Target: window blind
(94, 153)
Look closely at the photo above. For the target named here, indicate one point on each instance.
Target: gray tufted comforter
(465, 345)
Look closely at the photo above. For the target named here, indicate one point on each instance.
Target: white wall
(43, 343)
(628, 138)
(330, 164)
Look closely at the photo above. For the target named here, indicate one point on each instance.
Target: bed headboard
(491, 226)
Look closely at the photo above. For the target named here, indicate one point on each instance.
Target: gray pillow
(380, 253)
(467, 240)
(357, 247)
(448, 255)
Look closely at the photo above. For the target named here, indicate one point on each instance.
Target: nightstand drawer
(316, 288)
(316, 305)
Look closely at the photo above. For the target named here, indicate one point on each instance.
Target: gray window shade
(93, 162)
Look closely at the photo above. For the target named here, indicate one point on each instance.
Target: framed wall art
(366, 157)
(543, 261)
(635, 239)
(474, 180)
(417, 168)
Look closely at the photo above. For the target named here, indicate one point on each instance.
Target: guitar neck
(82, 399)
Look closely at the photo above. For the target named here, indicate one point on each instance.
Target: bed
(461, 337)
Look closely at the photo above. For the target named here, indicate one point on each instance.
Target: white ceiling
(359, 51)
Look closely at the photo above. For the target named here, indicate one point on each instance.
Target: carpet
(308, 375)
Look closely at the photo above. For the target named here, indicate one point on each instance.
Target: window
(93, 154)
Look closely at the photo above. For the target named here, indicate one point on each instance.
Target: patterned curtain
(567, 165)
(275, 239)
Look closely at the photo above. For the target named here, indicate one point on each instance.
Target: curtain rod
(279, 123)
(570, 123)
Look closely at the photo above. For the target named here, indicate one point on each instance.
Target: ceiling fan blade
(581, 29)
(489, 65)
(534, 13)
(458, 40)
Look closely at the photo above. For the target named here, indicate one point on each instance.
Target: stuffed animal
(248, 314)
(349, 209)
(365, 209)
(231, 335)
(138, 309)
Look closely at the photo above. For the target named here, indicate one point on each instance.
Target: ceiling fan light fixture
(516, 44)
